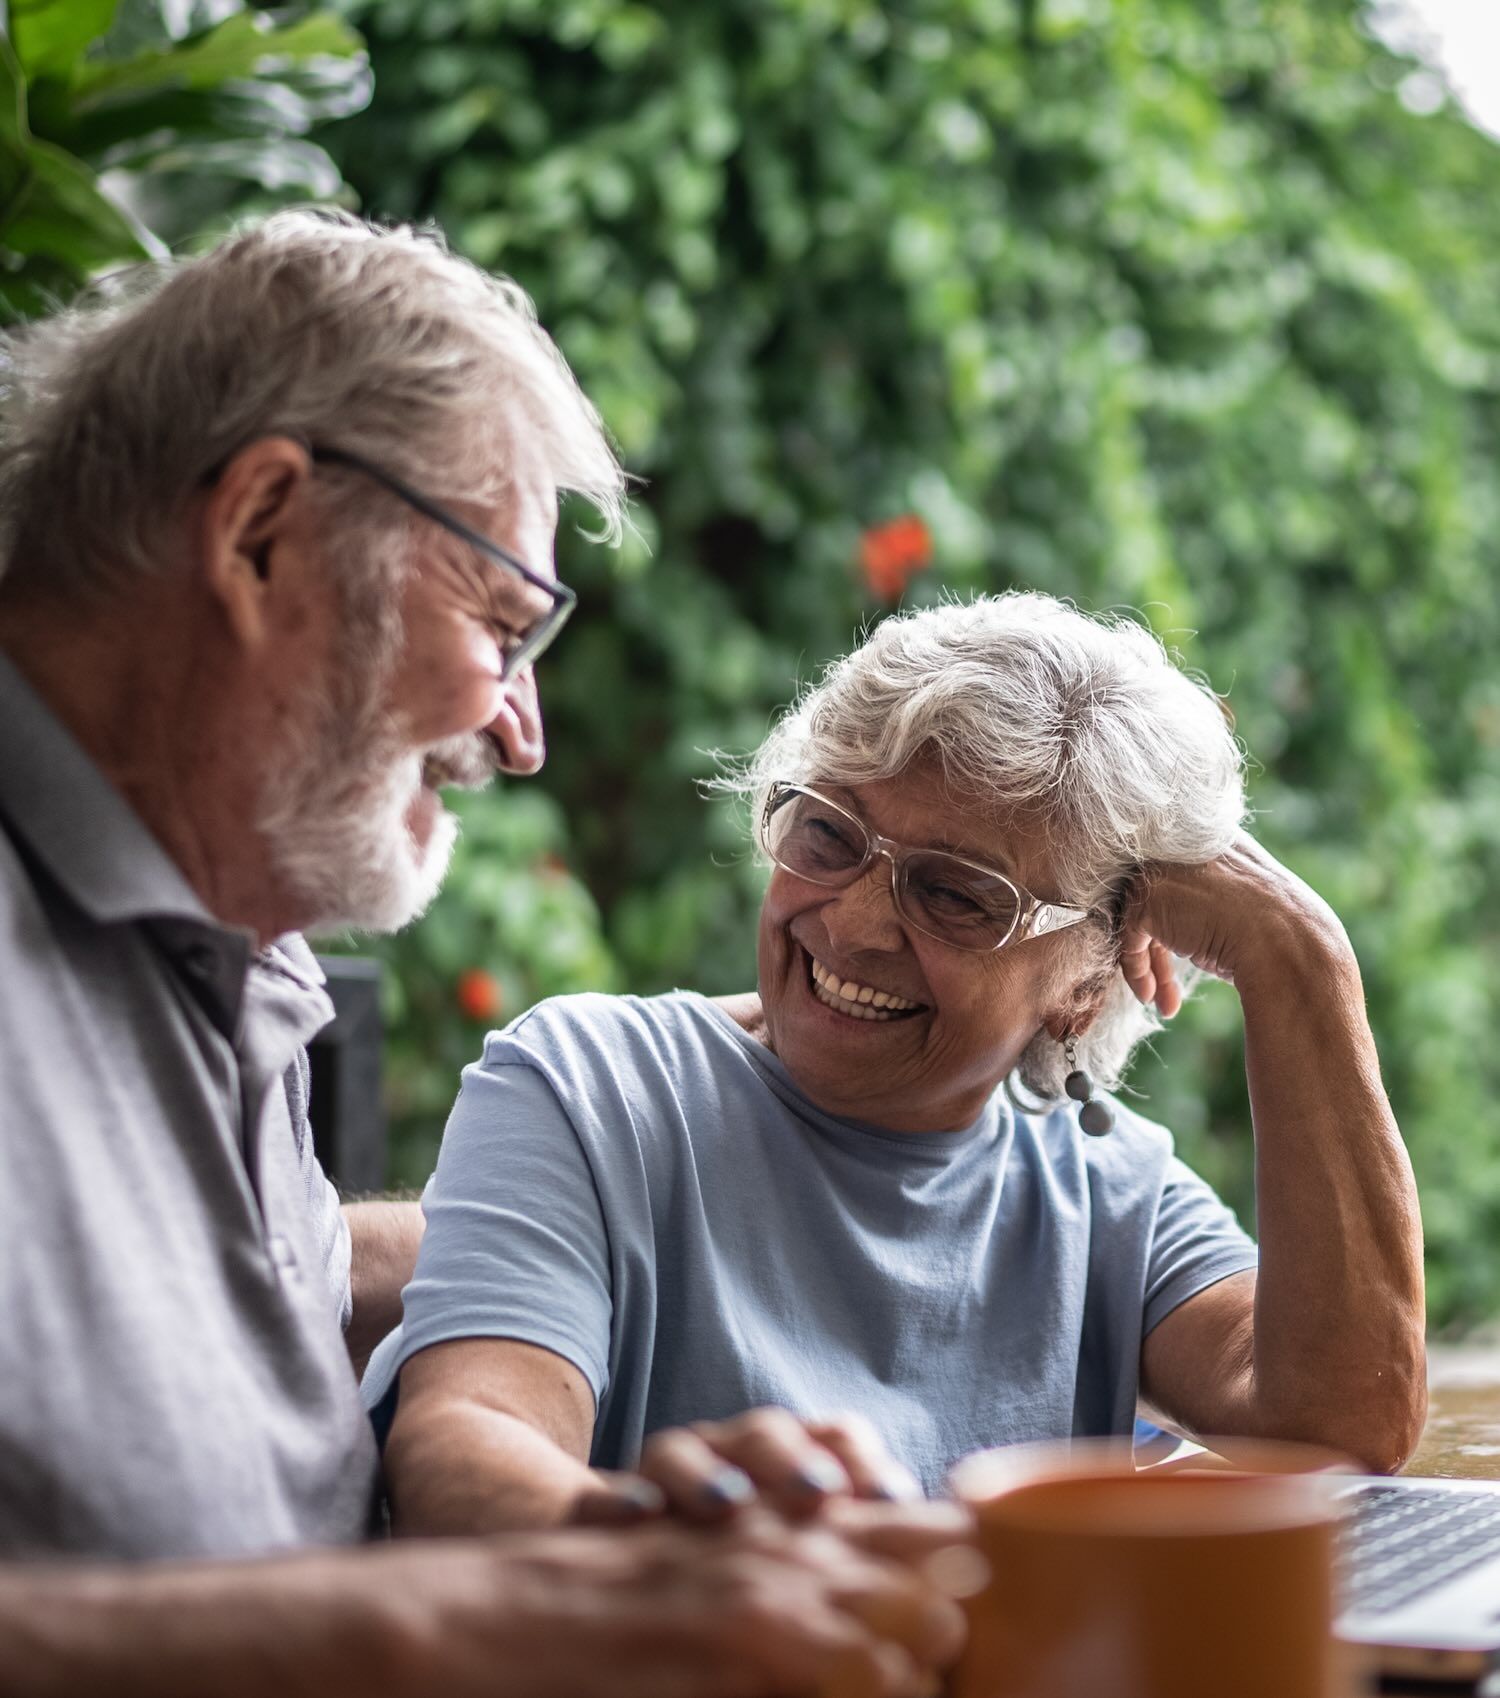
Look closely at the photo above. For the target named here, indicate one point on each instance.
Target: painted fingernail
(893, 1491)
(728, 1486)
(641, 1496)
(820, 1475)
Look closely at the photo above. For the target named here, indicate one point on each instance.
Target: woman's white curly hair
(1081, 725)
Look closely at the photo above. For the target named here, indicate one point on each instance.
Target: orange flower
(479, 994)
(892, 553)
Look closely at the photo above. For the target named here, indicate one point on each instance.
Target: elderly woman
(872, 1185)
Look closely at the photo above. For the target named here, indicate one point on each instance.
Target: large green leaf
(49, 36)
(248, 44)
(52, 208)
(277, 163)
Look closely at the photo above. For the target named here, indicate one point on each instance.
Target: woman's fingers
(1168, 993)
(1136, 962)
(791, 1469)
(708, 1471)
(1150, 970)
(695, 1481)
(873, 1472)
(711, 1469)
(618, 1500)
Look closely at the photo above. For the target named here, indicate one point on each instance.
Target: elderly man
(277, 533)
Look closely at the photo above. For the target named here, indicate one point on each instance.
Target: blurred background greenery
(1167, 305)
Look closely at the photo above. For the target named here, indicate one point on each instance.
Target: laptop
(1419, 1576)
(1418, 1567)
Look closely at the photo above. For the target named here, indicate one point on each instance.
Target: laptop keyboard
(1401, 1542)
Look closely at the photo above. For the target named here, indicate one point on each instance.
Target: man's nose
(517, 727)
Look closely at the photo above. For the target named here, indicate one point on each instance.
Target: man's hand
(713, 1469)
(760, 1609)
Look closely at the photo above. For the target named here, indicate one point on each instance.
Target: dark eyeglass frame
(1034, 918)
(536, 638)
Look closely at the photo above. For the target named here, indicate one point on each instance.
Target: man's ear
(246, 513)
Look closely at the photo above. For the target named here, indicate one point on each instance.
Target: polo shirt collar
(94, 846)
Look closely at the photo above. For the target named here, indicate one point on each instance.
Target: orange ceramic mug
(1206, 1581)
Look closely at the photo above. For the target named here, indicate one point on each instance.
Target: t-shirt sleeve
(516, 1245)
(1196, 1243)
(331, 1229)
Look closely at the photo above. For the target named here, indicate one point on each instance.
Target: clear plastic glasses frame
(983, 930)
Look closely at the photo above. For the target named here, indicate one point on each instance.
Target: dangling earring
(1095, 1115)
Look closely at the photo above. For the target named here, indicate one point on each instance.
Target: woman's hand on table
(1231, 917)
(711, 1470)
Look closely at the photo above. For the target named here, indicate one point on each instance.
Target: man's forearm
(385, 1236)
(323, 1626)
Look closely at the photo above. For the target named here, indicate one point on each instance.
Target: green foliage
(510, 908)
(123, 123)
(1164, 304)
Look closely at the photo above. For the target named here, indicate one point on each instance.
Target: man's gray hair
(1079, 727)
(310, 324)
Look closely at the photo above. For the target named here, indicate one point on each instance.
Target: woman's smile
(854, 999)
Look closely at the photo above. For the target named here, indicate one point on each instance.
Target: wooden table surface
(1461, 1440)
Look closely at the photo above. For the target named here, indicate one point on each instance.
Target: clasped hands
(713, 1470)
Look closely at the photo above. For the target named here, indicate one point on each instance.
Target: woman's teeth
(861, 1002)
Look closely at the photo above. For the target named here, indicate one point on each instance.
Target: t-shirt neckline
(915, 1144)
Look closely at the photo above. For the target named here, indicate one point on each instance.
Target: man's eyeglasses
(962, 903)
(524, 640)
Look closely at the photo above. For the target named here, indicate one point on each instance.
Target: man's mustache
(468, 762)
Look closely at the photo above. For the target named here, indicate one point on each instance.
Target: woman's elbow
(1379, 1425)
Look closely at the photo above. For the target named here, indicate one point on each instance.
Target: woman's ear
(1080, 1005)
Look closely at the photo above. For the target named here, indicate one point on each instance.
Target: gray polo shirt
(174, 1270)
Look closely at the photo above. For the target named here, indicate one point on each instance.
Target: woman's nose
(863, 915)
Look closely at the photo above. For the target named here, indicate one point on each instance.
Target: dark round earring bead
(1096, 1117)
(1078, 1085)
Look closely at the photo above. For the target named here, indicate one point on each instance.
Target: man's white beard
(343, 849)
(333, 815)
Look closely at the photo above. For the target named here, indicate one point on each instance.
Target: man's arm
(384, 1237)
(655, 1612)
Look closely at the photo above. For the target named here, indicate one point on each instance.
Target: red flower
(892, 553)
(479, 994)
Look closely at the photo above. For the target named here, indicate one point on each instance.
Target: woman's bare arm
(1326, 1342)
(491, 1434)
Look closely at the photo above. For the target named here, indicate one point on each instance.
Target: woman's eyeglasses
(962, 903)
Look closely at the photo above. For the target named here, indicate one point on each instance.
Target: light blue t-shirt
(639, 1186)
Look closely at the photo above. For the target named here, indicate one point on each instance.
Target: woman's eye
(828, 839)
(950, 899)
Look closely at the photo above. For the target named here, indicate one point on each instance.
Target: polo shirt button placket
(283, 1261)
